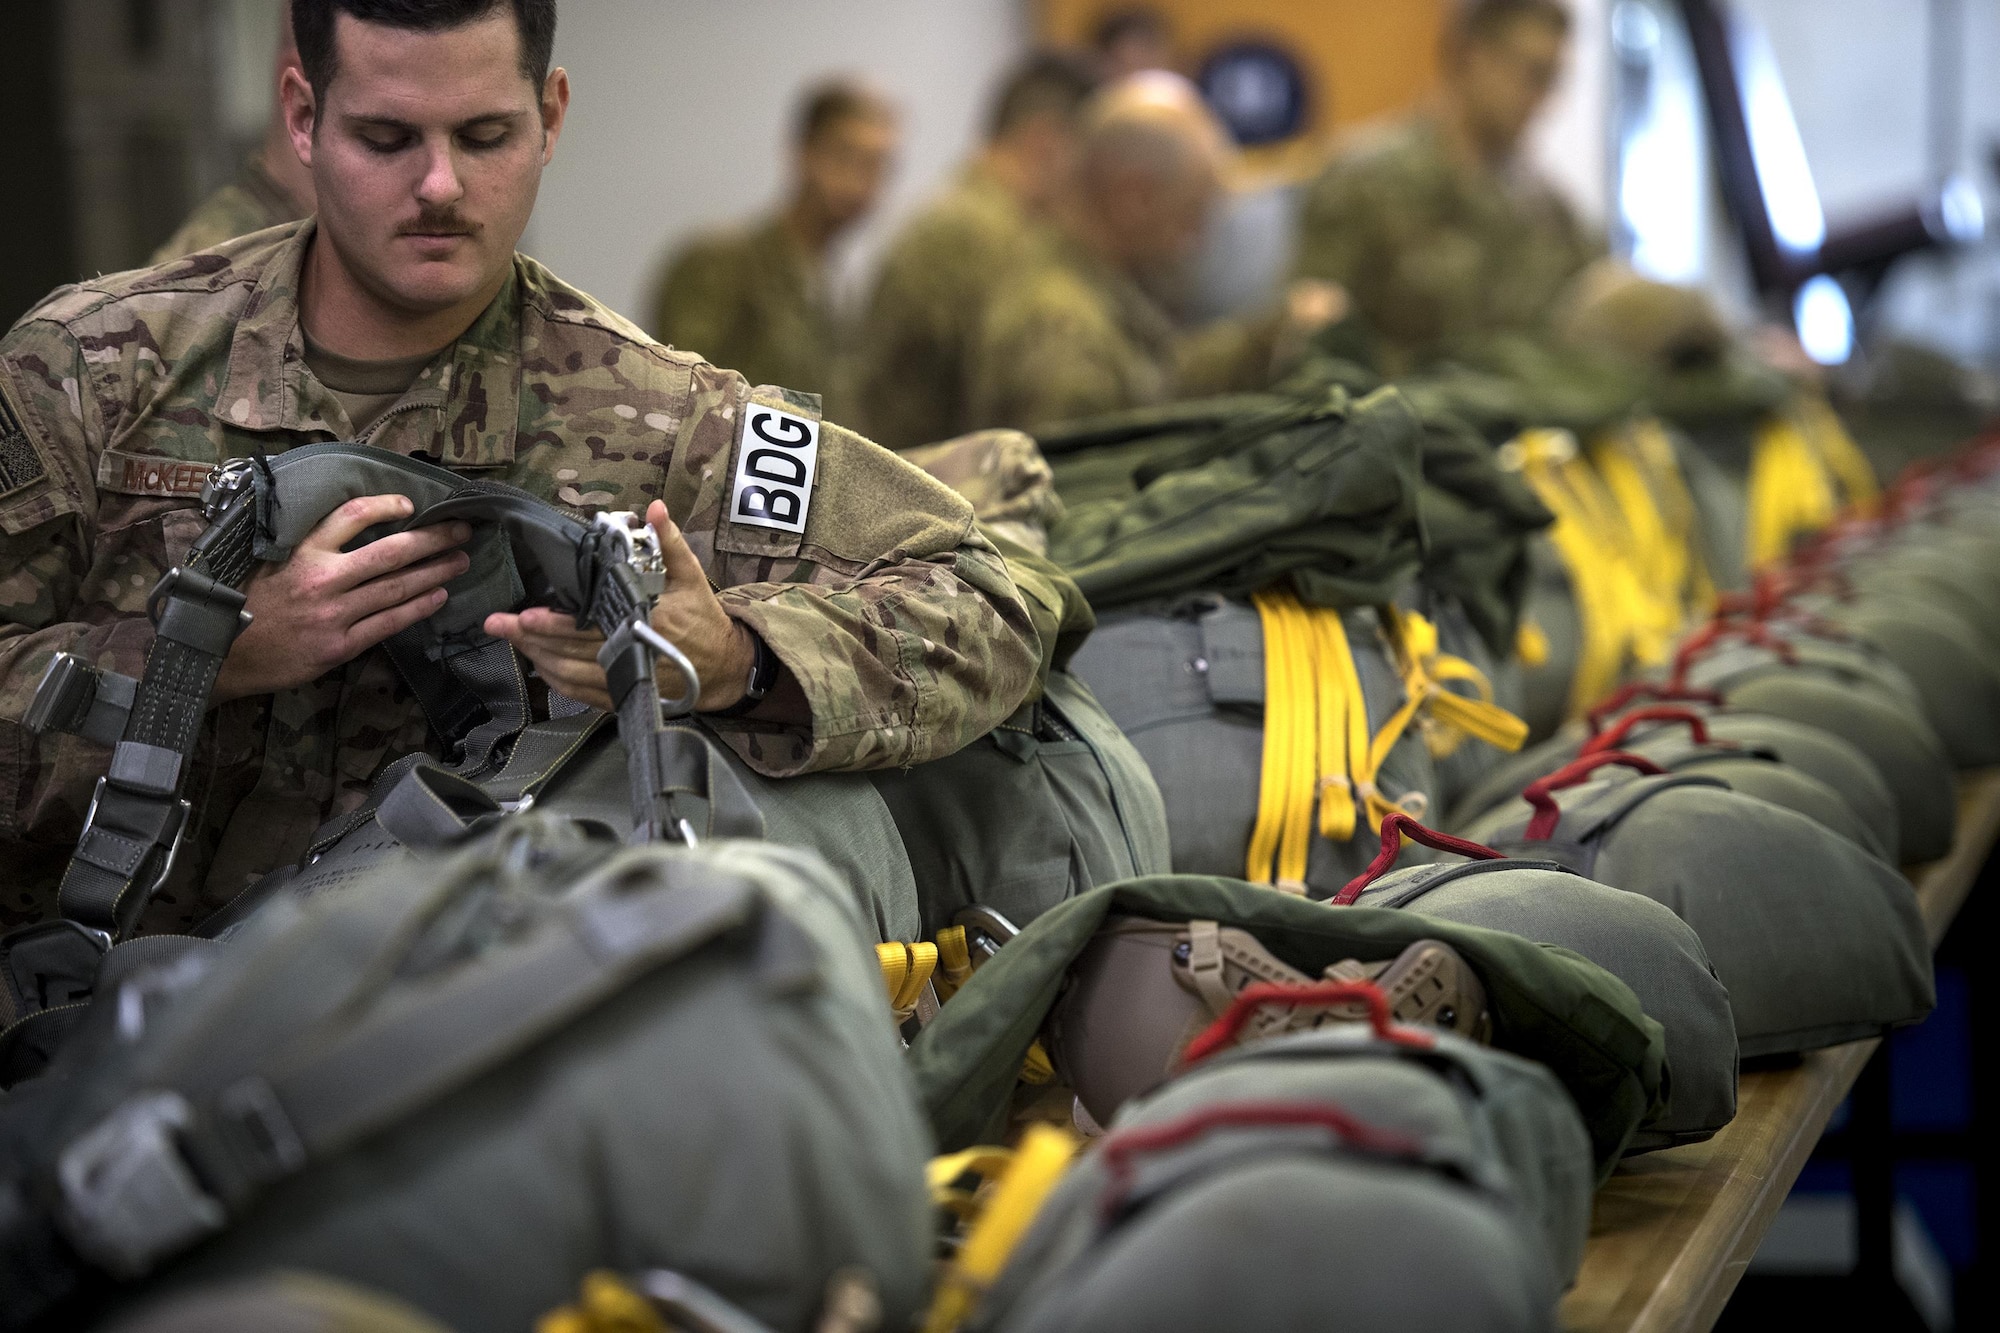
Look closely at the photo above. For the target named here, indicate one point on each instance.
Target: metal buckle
(226, 482)
(985, 929)
(130, 1198)
(637, 545)
(63, 697)
(176, 826)
(684, 702)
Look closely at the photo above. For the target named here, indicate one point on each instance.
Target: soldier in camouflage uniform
(272, 188)
(755, 297)
(1436, 226)
(941, 272)
(1072, 331)
(895, 629)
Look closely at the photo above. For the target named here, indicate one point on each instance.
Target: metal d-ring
(681, 704)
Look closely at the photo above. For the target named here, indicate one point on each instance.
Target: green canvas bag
(1817, 941)
(1051, 804)
(1546, 1003)
(1632, 937)
(466, 1082)
(1326, 1179)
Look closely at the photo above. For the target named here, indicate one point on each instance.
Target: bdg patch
(775, 462)
(21, 463)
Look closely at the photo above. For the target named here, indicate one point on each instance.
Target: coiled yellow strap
(1803, 468)
(1318, 748)
(1020, 1182)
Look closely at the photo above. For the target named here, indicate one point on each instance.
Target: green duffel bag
(1051, 804)
(1632, 937)
(1873, 707)
(1817, 942)
(467, 1082)
(1329, 1179)
(1187, 686)
(1829, 760)
(1542, 1002)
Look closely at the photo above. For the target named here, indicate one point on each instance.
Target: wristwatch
(764, 666)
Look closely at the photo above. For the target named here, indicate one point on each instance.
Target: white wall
(1569, 142)
(681, 112)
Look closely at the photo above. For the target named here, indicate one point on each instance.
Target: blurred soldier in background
(755, 297)
(273, 187)
(1073, 331)
(1132, 41)
(1437, 227)
(940, 273)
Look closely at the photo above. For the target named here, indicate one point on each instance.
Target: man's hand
(324, 607)
(688, 614)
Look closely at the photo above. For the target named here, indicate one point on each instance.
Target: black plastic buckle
(51, 963)
(63, 698)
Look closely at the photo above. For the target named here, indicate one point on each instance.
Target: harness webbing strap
(476, 697)
(137, 817)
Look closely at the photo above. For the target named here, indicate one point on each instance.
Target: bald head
(1151, 164)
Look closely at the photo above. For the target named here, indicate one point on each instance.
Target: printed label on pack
(775, 460)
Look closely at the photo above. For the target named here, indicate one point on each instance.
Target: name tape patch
(775, 461)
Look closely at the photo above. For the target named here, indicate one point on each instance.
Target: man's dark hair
(1120, 25)
(825, 105)
(313, 20)
(1483, 20)
(1046, 83)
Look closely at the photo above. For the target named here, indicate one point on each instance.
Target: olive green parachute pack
(1185, 524)
(1788, 763)
(1817, 941)
(1635, 939)
(1846, 690)
(467, 1080)
(1330, 1178)
(1546, 1003)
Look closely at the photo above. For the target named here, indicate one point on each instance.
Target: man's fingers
(539, 646)
(683, 569)
(371, 630)
(349, 521)
(552, 624)
(398, 550)
(399, 587)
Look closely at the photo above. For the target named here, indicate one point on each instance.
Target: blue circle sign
(1258, 89)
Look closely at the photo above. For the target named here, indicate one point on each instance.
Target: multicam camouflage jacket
(1071, 337)
(1433, 251)
(897, 619)
(913, 360)
(251, 202)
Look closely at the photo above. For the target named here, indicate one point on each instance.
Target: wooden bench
(1673, 1232)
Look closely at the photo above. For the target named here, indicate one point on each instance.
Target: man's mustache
(438, 224)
